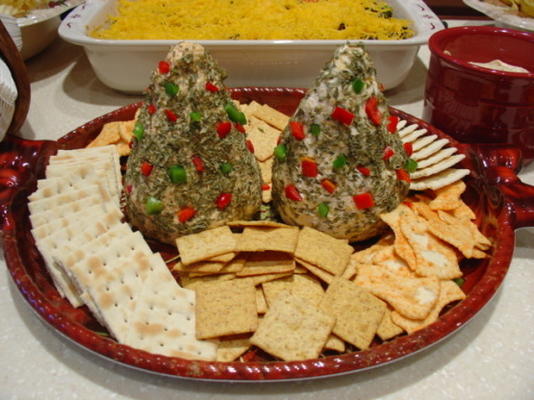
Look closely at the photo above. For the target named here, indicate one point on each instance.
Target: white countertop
(492, 357)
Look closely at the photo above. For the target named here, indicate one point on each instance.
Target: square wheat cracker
(293, 329)
(267, 262)
(225, 308)
(323, 250)
(357, 312)
(205, 245)
(283, 239)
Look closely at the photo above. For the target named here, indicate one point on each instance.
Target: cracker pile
(434, 157)
(95, 259)
(299, 293)
(118, 133)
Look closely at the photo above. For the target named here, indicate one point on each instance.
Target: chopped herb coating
(353, 178)
(186, 157)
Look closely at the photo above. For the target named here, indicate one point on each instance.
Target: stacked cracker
(265, 125)
(96, 259)
(434, 157)
(117, 133)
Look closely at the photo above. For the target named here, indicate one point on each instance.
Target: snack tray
(499, 199)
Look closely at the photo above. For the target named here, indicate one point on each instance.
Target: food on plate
(251, 20)
(340, 162)
(118, 133)
(522, 8)
(20, 8)
(191, 167)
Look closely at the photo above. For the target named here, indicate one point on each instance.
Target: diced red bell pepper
(146, 168)
(210, 87)
(388, 153)
(250, 146)
(408, 148)
(186, 213)
(151, 109)
(408, 203)
(363, 201)
(128, 189)
(392, 125)
(297, 130)
(372, 111)
(240, 128)
(223, 200)
(171, 116)
(292, 193)
(403, 175)
(223, 129)
(309, 167)
(364, 170)
(328, 185)
(265, 186)
(342, 115)
(164, 67)
(198, 163)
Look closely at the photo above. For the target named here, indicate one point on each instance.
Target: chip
(109, 134)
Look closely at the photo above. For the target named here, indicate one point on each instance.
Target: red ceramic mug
(474, 104)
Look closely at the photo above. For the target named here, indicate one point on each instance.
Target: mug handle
(500, 165)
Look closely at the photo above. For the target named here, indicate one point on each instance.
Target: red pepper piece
(364, 170)
(210, 87)
(309, 167)
(146, 168)
(342, 115)
(373, 113)
(240, 128)
(151, 109)
(265, 186)
(363, 201)
(408, 203)
(223, 200)
(249, 355)
(403, 175)
(186, 213)
(392, 125)
(164, 67)
(198, 163)
(250, 146)
(297, 130)
(408, 148)
(171, 116)
(328, 185)
(128, 189)
(388, 153)
(223, 129)
(292, 193)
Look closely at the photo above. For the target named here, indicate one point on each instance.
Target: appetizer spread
(190, 168)
(340, 162)
(241, 288)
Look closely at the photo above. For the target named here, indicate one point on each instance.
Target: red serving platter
(500, 200)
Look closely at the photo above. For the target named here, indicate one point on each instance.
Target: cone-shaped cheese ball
(190, 168)
(340, 162)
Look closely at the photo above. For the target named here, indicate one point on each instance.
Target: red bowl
(501, 203)
(480, 105)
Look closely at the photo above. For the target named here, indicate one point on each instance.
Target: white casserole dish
(125, 65)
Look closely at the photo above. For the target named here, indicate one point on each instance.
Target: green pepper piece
(195, 116)
(323, 210)
(171, 89)
(280, 152)
(411, 165)
(153, 206)
(139, 131)
(177, 174)
(340, 161)
(315, 129)
(357, 85)
(234, 114)
(226, 168)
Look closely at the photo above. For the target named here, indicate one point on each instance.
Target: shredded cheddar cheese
(253, 20)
